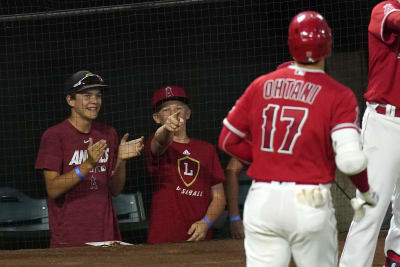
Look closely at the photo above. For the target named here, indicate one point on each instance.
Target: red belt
(382, 110)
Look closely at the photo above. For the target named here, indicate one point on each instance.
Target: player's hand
(174, 122)
(95, 151)
(237, 230)
(370, 197)
(130, 149)
(198, 231)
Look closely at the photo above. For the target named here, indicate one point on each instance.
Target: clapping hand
(95, 151)
(130, 149)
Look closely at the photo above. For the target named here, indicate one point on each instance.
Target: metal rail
(102, 9)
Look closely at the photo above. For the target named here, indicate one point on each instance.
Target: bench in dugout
(26, 218)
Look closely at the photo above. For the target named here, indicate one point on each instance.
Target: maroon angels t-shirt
(85, 213)
(182, 179)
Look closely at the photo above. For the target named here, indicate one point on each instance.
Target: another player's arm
(351, 160)
(163, 137)
(126, 150)
(57, 184)
(198, 230)
(393, 22)
(231, 186)
(235, 143)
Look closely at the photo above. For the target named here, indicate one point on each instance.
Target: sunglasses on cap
(89, 79)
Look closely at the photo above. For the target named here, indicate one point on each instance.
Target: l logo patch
(188, 169)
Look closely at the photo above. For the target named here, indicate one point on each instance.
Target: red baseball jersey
(182, 179)
(384, 58)
(85, 213)
(290, 115)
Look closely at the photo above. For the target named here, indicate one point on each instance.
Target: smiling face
(85, 105)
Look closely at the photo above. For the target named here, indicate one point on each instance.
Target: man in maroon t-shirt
(381, 136)
(83, 166)
(303, 124)
(187, 176)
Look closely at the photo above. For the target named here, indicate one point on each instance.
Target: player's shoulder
(337, 92)
(329, 80)
(383, 8)
(335, 85)
(57, 129)
(260, 80)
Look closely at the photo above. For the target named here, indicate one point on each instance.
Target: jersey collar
(297, 67)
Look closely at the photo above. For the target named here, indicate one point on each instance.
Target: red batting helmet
(310, 38)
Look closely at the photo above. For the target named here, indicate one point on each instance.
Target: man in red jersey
(186, 173)
(301, 122)
(381, 135)
(83, 166)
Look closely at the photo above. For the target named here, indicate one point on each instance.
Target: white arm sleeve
(349, 158)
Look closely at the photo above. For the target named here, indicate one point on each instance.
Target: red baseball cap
(169, 92)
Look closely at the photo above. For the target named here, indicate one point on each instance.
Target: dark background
(213, 49)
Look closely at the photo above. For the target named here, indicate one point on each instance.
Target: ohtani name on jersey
(291, 89)
(193, 193)
(82, 155)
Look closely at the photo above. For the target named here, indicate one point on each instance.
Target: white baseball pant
(381, 144)
(278, 225)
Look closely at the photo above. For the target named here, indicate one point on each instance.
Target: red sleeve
(235, 145)
(393, 22)
(50, 155)
(384, 23)
(345, 111)
(360, 181)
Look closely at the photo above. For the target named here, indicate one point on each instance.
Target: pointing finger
(176, 115)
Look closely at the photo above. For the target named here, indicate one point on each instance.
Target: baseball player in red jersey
(303, 124)
(83, 166)
(186, 173)
(380, 136)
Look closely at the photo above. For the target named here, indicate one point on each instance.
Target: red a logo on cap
(168, 92)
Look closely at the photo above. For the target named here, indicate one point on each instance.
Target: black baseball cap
(83, 80)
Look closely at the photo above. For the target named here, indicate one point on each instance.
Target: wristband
(78, 172)
(207, 221)
(236, 218)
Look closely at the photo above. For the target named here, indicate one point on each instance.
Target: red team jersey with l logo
(182, 178)
(384, 58)
(290, 114)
